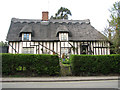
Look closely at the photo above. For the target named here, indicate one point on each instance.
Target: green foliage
(3, 43)
(114, 26)
(66, 61)
(95, 64)
(114, 15)
(30, 64)
(62, 13)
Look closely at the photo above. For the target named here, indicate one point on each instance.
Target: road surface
(73, 84)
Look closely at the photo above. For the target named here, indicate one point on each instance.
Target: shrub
(95, 64)
(30, 64)
(66, 61)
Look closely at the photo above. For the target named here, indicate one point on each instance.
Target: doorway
(84, 49)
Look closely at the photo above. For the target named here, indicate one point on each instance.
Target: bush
(66, 61)
(30, 64)
(95, 64)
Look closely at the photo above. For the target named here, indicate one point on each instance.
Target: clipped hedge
(30, 64)
(95, 64)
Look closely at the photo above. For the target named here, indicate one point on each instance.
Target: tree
(107, 32)
(114, 26)
(62, 13)
(114, 15)
(3, 43)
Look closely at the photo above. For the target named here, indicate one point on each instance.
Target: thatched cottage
(50, 36)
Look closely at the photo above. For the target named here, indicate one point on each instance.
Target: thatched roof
(79, 30)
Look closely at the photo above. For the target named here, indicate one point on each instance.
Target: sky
(95, 10)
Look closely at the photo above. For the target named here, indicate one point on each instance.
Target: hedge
(30, 64)
(95, 64)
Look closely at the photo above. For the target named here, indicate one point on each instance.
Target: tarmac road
(73, 84)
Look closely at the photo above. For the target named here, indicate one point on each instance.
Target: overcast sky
(95, 10)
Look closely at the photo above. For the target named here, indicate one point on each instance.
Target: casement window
(28, 50)
(26, 37)
(64, 50)
(64, 36)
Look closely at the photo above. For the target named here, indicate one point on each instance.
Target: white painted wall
(10, 48)
(93, 45)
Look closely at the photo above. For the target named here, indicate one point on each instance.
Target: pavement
(57, 79)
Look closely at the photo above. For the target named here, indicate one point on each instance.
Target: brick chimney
(45, 16)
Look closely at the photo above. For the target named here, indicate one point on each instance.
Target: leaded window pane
(63, 37)
(64, 50)
(26, 36)
(28, 50)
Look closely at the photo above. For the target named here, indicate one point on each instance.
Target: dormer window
(63, 33)
(63, 36)
(26, 32)
(26, 36)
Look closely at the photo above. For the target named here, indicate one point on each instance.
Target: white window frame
(63, 36)
(26, 36)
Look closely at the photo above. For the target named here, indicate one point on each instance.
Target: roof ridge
(25, 20)
(50, 20)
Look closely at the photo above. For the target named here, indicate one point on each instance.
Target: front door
(84, 49)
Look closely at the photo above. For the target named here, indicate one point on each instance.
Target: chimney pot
(45, 16)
